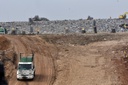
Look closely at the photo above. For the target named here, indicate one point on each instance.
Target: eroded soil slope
(90, 59)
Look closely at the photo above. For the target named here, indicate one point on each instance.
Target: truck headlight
(31, 72)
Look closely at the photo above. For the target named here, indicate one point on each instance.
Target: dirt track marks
(43, 61)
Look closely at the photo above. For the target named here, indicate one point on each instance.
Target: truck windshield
(24, 66)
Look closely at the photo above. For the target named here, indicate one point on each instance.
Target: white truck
(26, 68)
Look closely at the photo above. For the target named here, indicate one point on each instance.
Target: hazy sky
(21, 10)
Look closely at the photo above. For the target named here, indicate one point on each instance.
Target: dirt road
(43, 61)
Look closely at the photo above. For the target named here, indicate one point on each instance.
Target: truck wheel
(32, 79)
(34, 74)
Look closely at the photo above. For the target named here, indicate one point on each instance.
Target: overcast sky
(21, 10)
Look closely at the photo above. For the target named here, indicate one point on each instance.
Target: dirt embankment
(121, 62)
(4, 43)
(7, 56)
(89, 59)
(77, 39)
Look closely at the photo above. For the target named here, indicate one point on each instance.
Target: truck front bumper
(25, 77)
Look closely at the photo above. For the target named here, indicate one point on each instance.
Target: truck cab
(2, 30)
(26, 68)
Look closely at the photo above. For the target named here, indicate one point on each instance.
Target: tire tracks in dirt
(43, 61)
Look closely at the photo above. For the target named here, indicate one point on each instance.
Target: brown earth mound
(90, 59)
(4, 43)
(121, 62)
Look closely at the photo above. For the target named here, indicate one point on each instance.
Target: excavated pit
(97, 59)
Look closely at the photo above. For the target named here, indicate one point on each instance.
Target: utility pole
(94, 26)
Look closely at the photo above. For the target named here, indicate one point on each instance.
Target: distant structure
(94, 26)
(66, 30)
(31, 30)
(37, 18)
(90, 18)
(83, 30)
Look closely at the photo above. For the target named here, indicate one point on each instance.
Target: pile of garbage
(64, 26)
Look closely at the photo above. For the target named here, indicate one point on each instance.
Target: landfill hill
(74, 26)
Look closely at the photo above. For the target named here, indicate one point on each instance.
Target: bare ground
(93, 59)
